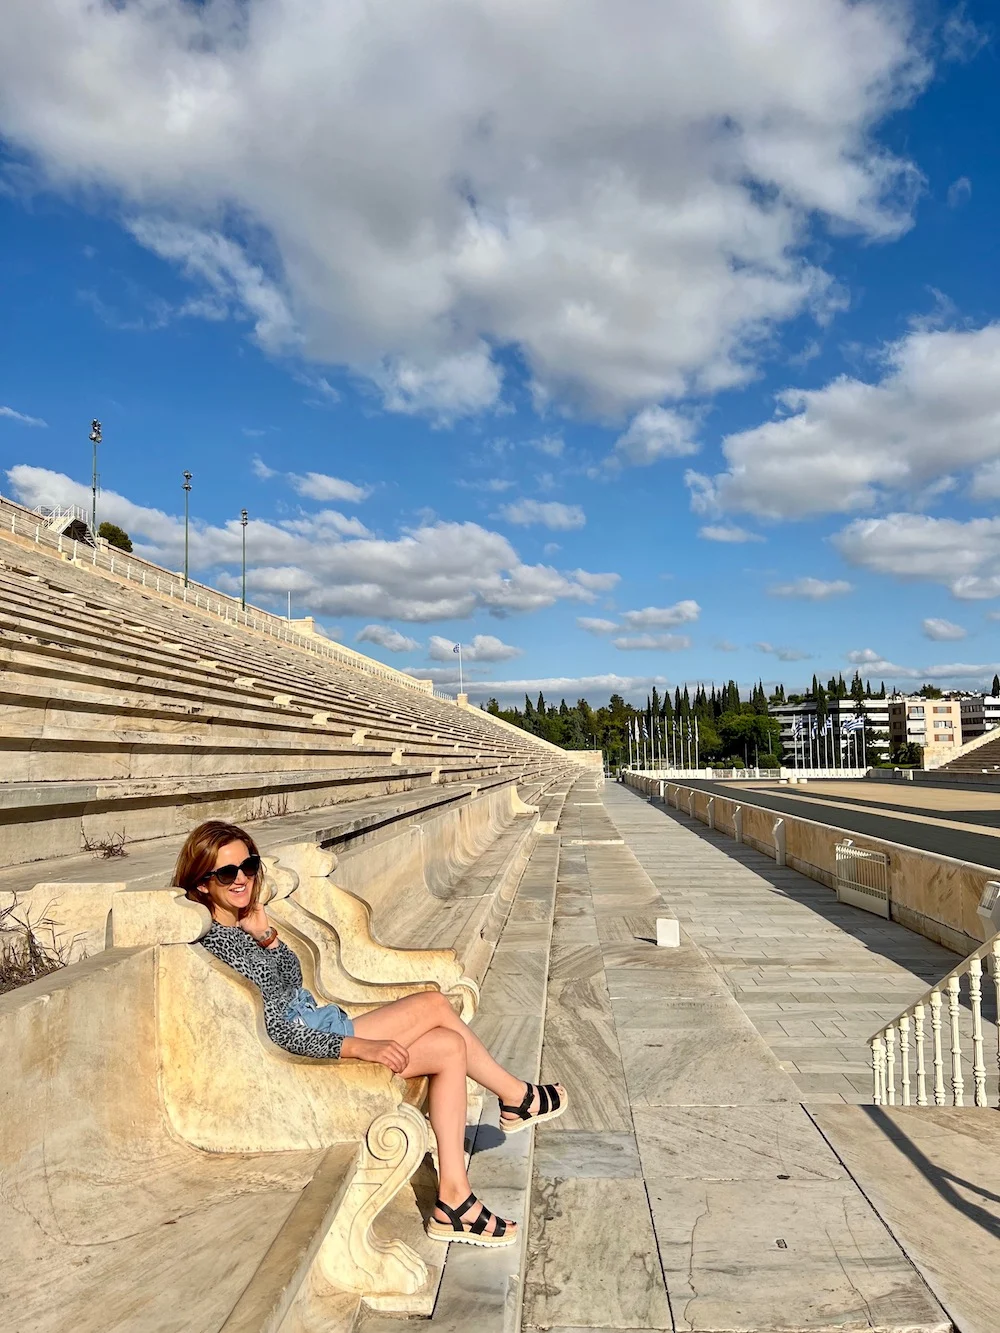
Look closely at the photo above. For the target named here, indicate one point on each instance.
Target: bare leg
(405, 1020)
(440, 1054)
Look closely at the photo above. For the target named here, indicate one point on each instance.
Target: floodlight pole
(244, 519)
(187, 496)
(95, 439)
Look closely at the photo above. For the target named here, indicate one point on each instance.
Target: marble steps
(480, 1291)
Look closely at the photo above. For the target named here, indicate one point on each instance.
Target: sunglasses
(226, 875)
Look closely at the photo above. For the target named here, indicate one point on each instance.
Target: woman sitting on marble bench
(220, 867)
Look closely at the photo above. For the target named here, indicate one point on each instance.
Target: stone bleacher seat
(121, 710)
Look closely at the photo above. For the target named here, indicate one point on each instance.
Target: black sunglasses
(226, 875)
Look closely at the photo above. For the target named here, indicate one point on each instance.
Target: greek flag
(828, 725)
(456, 649)
(799, 727)
(815, 729)
(853, 724)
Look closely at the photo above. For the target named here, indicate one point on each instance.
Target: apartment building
(933, 724)
(837, 748)
(980, 713)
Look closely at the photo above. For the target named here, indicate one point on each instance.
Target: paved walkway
(687, 1187)
(814, 977)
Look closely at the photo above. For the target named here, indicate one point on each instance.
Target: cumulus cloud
(596, 689)
(655, 433)
(877, 665)
(657, 617)
(727, 532)
(961, 555)
(385, 637)
(815, 590)
(548, 513)
(664, 643)
(847, 446)
(21, 417)
(626, 196)
(436, 571)
(483, 648)
(942, 630)
(595, 625)
(317, 486)
(783, 654)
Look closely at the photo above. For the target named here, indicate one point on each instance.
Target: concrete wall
(936, 896)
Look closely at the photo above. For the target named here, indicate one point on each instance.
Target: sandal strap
(522, 1110)
(550, 1091)
(455, 1214)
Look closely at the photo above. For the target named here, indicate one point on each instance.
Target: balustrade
(957, 1036)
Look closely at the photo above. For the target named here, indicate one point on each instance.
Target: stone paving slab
(934, 1175)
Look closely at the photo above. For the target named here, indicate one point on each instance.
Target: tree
(996, 687)
(749, 734)
(908, 755)
(929, 692)
(115, 536)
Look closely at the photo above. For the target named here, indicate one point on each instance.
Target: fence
(862, 878)
(34, 527)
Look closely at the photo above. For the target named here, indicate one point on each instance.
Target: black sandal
(550, 1105)
(475, 1232)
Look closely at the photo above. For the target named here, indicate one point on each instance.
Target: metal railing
(14, 518)
(900, 1071)
(862, 878)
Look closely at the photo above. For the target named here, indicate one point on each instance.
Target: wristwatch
(267, 939)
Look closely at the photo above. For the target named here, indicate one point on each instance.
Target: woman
(220, 866)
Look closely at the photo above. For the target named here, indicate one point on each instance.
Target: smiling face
(227, 902)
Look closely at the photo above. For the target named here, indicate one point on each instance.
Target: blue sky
(621, 350)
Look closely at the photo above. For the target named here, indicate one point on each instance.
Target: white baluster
(918, 1037)
(976, 1000)
(904, 1057)
(878, 1070)
(938, 1058)
(954, 1013)
(890, 1065)
(995, 969)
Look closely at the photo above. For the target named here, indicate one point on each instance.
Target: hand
(255, 922)
(388, 1053)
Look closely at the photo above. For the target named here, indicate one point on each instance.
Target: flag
(828, 725)
(799, 726)
(815, 729)
(457, 648)
(852, 724)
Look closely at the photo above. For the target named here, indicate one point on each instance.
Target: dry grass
(28, 949)
(107, 847)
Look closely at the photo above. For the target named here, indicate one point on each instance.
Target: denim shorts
(304, 1012)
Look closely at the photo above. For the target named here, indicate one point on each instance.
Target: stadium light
(95, 439)
(187, 496)
(244, 519)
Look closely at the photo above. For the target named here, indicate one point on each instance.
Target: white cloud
(655, 433)
(334, 566)
(850, 444)
(595, 689)
(959, 192)
(728, 532)
(483, 648)
(595, 625)
(783, 654)
(20, 417)
(493, 485)
(386, 637)
(552, 445)
(815, 590)
(317, 486)
(664, 643)
(260, 468)
(943, 630)
(657, 617)
(549, 513)
(878, 665)
(724, 646)
(962, 555)
(624, 195)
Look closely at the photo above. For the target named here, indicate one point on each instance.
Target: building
(933, 724)
(839, 747)
(980, 713)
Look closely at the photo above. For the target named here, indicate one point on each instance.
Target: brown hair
(198, 855)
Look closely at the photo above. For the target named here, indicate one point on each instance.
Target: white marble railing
(954, 1033)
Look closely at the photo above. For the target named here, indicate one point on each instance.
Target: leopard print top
(277, 975)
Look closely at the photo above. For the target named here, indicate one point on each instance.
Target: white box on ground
(668, 932)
